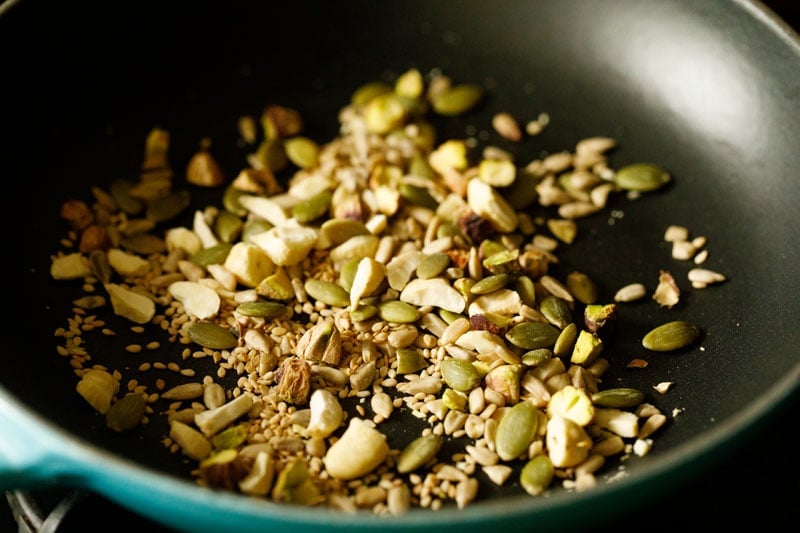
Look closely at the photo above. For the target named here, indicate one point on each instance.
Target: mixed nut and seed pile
(391, 272)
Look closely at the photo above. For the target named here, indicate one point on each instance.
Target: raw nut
(204, 171)
(198, 300)
(671, 336)
(630, 293)
(193, 444)
(487, 203)
(129, 304)
(359, 450)
(70, 266)
(567, 443)
(506, 125)
(250, 263)
(497, 173)
(573, 404)
(259, 481)
(182, 238)
(287, 245)
(587, 347)
(322, 342)
(369, 275)
(623, 423)
(326, 414)
(264, 208)
(127, 264)
(434, 292)
(98, 388)
(515, 431)
(211, 421)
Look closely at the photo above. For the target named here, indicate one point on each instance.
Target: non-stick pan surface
(709, 90)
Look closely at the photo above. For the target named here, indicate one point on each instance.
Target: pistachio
(359, 451)
(322, 342)
(587, 348)
(671, 336)
(98, 388)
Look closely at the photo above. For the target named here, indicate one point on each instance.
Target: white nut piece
(434, 292)
(286, 245)
(129, 304)
(568, 444)
(572, 403)
(358, 452)
(326, 414)
(212, 421)
(70, 266)
(182, 238)
(487, 203)
(127, 264)
(623, 423)
(197, 299)
(259, 481)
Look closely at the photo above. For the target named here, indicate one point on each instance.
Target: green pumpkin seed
(536, 475)
(457, 100)
(312, 208)
(566, 340)
(338, 230)
(144, 244)
(271, 155)
(262, 309)
(213, 255)
(556, 311)
(120, 192)
(620, 397)
(516, 430)
(228, 226)
(301, 151)
(460, 375)
(230, 200)
(418, 196)
(526, 289)
(448, 229)
(432, 265)
(418, 453)
(448, 316)
(582, 287)
(409, 361)
(168, 207)
(327, 292)
(210, 335)
(363, 312)
(536, 357)
(368, 91)
(671, 336)
(398, 312)
(533, 335)
(642, 177)
(490, 284)
(522, 193)
(126, 413)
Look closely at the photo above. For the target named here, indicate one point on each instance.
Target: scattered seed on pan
(390, 268)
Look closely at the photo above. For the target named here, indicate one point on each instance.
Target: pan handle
(32, 455)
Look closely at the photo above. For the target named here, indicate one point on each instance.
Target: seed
(211, 335)
(398, 312)
(566, 340)
(213, 255)
(418, 453)
(630, 293)
(460, 375)
(582, 287)
(564, 230)
(327, 292)
(536, 357)
(301, 151)
(671, 336)
(556, 311)
(516, 430)
(506, 125)
(312, 208)
(432, 265)
(457, 100)
(536, 475)
(641, 177)
(490, 284)
(620, 397)
(126, 413)
(532, 335)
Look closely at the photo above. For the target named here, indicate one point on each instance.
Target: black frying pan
(709, 90)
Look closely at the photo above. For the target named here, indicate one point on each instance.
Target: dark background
(760, 481)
